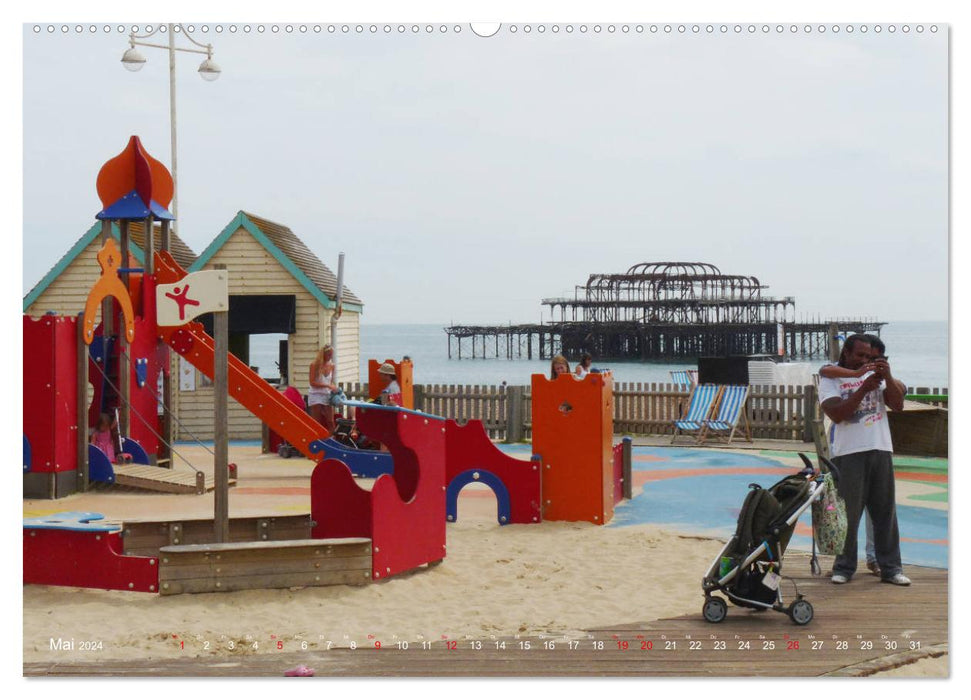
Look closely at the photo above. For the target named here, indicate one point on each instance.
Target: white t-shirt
(867, 429)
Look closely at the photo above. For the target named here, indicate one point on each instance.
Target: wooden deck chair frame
(719, 424)
(697, 415)
(684, 377)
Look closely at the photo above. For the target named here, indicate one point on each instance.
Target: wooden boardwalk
(858, 629)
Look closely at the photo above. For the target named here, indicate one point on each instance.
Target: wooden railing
(774, 412)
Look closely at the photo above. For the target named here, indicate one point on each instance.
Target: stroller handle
(831, 468)
(827, 465)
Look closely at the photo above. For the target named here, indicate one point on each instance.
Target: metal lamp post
(133, 60)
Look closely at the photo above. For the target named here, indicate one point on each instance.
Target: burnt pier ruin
(657, 311)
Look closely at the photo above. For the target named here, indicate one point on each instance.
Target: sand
(552, 578)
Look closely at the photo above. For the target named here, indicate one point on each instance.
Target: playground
(430, 538)
(557, 579)
(494, 580)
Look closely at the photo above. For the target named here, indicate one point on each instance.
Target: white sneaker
(840, 578)
(897, 580)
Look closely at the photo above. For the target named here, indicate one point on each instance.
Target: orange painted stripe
(921, 476)
(649, 458)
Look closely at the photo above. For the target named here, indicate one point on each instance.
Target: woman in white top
(583, 366)
(321, 387)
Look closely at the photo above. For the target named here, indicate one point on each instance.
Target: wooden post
(149, 265)
(418, 397)
(514, 414)
(834, 344)
(808, 412)
(221, 421)
(166, 239)
(168, 393)
(124, 384)
(124, 359)
(82, 407)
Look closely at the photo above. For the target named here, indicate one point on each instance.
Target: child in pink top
(102, 438)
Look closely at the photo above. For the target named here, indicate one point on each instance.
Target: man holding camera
(863, 453)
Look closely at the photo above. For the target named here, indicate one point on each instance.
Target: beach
(554, 579)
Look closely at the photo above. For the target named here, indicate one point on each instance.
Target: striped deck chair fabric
(684, 377)
(681, 376)
(699, 410)
(731, 409)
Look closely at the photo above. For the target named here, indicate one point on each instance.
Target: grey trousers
(866, 481)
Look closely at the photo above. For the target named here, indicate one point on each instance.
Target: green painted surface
(940, 497)
(924, 465)
(921, 464)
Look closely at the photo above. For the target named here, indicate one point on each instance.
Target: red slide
(258, 396)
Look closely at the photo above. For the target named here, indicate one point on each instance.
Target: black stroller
(748, 569)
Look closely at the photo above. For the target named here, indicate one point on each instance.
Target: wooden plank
(280, 563)
(175, 572)
(228, 584)
(148, 537)
(355, 545)
(233, 566)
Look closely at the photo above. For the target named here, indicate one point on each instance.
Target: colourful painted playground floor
(700, 491)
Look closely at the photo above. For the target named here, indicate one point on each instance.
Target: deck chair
(731, 410)
(681, 377)
(703, 399)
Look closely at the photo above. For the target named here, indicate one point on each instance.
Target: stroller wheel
(714, 610)
(801, 612)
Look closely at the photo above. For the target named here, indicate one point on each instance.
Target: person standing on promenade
(834, 371)
(863, 453)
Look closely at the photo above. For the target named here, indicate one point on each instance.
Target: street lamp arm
(175, 48)
(207, 51)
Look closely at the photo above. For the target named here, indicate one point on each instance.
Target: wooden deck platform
(859, 628)
(150, 478)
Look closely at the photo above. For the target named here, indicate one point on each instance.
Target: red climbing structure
(472, 458)
(404, 512)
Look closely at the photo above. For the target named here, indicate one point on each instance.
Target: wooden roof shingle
(292, 253)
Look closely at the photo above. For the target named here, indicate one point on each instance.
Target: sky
(468, 178)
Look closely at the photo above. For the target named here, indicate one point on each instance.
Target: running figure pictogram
(181, 297)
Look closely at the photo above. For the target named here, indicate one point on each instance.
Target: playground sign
(195, 294)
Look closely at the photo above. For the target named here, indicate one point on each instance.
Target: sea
(918, 353)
